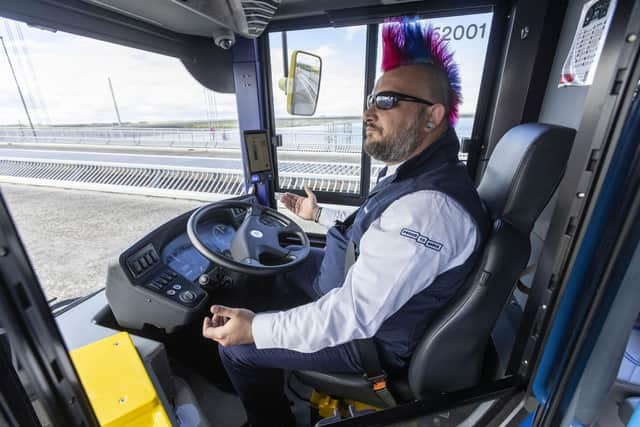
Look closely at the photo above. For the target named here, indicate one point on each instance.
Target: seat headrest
(523, 172)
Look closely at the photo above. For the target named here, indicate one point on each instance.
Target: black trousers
(257, 375)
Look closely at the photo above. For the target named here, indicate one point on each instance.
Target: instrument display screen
(257, 147)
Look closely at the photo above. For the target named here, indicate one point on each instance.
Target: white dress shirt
(392, 266)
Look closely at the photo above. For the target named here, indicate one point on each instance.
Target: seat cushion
(353, 386)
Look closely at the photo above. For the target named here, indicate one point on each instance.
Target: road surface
(71, 236)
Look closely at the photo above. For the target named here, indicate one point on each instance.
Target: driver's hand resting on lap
(304, 207)
(229, 326)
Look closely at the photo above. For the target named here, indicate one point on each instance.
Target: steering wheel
(255, 246)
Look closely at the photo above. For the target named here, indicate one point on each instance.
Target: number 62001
(460, 32)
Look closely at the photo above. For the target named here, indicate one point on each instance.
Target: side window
(323, 151)
(468, 37)
(122, 141)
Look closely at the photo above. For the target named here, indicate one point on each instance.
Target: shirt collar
(391, 169)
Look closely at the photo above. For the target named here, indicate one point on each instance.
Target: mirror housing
(303, 84)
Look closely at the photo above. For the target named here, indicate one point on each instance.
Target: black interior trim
(15, 405)
(34, 336)
(369, 83)
(376, 14)
(519, 91)
(495, 47)
(409, 411)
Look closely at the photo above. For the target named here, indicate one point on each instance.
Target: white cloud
(351, 32)
(326, 51)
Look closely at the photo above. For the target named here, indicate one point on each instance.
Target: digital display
(183, 258)
(257, 151)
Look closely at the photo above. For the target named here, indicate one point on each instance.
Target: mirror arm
(285, 54)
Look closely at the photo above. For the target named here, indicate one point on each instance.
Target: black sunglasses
(387, 100)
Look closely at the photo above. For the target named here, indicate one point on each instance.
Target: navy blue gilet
(436, 168)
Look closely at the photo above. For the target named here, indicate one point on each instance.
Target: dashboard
(156, 281)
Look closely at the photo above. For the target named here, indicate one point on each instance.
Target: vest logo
(422, 240)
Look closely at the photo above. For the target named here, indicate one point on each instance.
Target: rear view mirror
(303, 83)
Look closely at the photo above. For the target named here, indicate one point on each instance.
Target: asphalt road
(72, 235)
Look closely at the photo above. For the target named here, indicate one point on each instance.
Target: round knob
(187, 296)
(204, 280)
(227, 282)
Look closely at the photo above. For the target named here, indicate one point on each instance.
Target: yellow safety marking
(117, 383)
(327, 405)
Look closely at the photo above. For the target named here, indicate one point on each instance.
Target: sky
(64, 77)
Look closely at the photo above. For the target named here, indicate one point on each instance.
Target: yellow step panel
(117, 384)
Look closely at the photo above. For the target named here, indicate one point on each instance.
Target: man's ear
(438, 115)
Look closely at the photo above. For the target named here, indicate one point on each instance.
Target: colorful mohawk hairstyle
(406, 41)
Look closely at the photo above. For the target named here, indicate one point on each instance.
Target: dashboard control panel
(148, 271)
(143, 260)
(163, 281)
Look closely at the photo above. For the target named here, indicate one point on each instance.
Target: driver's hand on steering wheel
(304, 207)
(229, 326)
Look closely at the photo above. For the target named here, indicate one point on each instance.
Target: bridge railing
(293, 139)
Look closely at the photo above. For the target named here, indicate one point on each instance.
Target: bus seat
(522, 174)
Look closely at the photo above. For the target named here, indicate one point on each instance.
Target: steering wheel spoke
(290, 228)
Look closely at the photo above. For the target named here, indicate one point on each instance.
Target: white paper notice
(582, 60)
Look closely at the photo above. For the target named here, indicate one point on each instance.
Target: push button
(155, 285)
(177, 287)
(171, 292)
(137, 268)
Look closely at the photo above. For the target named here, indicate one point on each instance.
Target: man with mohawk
(415, 240)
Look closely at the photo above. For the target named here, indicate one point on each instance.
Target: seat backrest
(523, 172)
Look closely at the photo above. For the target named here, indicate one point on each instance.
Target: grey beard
(395, 147)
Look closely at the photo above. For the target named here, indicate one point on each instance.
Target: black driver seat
(521, 176)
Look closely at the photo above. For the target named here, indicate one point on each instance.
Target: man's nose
(369, 114)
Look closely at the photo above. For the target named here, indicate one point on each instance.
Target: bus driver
(416, 238)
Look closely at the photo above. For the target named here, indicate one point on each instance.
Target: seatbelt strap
(369, 357)
(520, 285)
(367, 349)
(373, 371)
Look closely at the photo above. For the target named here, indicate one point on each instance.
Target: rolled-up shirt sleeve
(418, 237)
